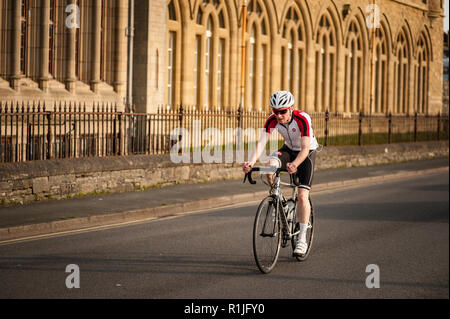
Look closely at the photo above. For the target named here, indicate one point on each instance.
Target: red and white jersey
(299, 126)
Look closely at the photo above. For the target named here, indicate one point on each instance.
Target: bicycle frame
(278, 196)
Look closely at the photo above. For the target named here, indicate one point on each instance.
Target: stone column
(44, 45)
(120, 74)
(310, 77)
(276, 80)
(15, 73)
(340, 79)
(411, 85)
(70, 58)
(390, 83)
(140, 57)
(95, 44)
(188, 48)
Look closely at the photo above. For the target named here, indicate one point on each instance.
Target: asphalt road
(401, 227)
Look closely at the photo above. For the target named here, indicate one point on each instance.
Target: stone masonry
(59, 179)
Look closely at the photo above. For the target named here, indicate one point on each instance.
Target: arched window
(211, 58)
(173, 43)
(294, 55)
(401, 98)
(326, 51)
(421, 79)
(381, 70)
(354, 69)
(257, 48)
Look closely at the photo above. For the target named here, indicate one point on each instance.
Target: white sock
(302, 235)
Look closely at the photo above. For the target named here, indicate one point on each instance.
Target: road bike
(276, 221)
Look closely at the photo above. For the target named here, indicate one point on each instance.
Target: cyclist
(297, 155)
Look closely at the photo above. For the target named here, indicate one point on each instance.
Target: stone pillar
(140, 56)
(70, 62)
(310, 76)
(15, 73)
(411, 87)
(149, 55)
(390, 84)
(434, 10)
(276, 80)
(340, 79)
(44, 45)
(120, 73)
(187, 81)
(95, 44)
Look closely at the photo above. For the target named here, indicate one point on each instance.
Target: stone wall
(58, 179)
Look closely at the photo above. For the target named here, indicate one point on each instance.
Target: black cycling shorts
(305, 171)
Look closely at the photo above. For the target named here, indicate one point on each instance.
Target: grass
(382, 138)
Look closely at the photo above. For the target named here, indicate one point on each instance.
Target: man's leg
(271, 177)
(304, 211)
(277, 159)
(306, 171)
(304, 207)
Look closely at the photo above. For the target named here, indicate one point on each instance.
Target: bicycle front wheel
(267, 235)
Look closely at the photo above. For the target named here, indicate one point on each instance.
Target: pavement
(61, 216)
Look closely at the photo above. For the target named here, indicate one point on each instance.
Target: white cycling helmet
(281, 100)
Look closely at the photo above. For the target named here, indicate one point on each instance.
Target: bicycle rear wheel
(267, 235)
(309, 235)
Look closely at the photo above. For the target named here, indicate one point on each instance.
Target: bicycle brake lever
(250, 180)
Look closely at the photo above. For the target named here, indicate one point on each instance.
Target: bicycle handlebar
(272, 170)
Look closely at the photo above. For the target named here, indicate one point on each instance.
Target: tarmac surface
(53, 216)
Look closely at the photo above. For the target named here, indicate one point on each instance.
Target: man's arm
(246, 166)
(259, 148)
(305, 142)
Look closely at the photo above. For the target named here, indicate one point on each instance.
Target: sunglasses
(282, 112)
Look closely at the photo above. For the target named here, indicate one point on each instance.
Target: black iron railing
(38, 131)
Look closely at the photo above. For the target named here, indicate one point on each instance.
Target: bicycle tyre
(267, 235)
(309, 235)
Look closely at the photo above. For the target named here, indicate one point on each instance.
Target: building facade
(320, 50)
(189, 52)
(63, 51)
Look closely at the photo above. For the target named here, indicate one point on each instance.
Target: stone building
(63, 51)
(188, 52)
